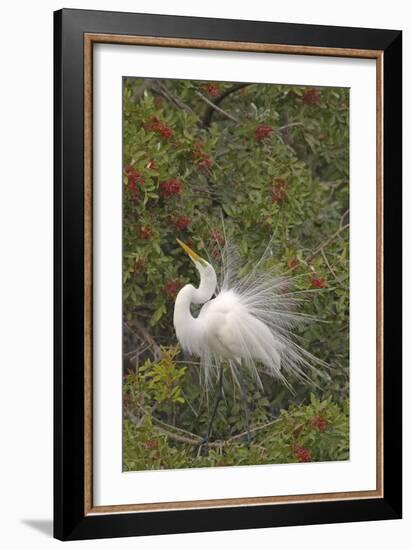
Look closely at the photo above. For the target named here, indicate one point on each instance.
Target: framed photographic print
(227, 274)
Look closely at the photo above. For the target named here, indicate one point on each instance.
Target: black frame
(70, 521)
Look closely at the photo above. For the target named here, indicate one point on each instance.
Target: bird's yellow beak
(189, 251)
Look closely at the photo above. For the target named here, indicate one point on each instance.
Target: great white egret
(246, 322)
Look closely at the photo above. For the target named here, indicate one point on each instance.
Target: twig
(133, 418)
(166, 429)
(172, 98)
(207, 117)
(136, 327)
(327, 263)
(252, 430)
(332, 183)
(215, 107)
(188, 400)
(328, 241)
(343, 217)
(179, 438)
(169, 427)
(290, 125)
(190, 438)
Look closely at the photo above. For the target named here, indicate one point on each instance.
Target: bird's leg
(218, 396)
(245, 404)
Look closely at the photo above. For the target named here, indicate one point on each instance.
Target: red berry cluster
(202, 159)
(318, 282)
(135, 182)
(302, 453)
(212, 90)
(262, 132)
(155, 125)
(311, 97)
(319, 422)
(144, 232)
(279, 191)
(172, 287)
(170, 188)
(181, 223)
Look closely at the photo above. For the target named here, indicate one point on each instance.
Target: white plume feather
(250, 323)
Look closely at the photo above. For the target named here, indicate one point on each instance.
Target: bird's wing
(235, 333)
(255, 326)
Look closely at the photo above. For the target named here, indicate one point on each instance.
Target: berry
(170, 188)
(135, 182)
(144, 232)
(311, 96)
(204, 162)
(319, 422)
(202, 159)
(318, 282)
(172, 287)
(155, 125)
(212, 90)
(181, 223)
(262, 132)
(302, 454)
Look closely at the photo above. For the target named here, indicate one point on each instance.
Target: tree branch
(252, 430)
(207, 117)
(137, 328)
(183, 436)
(327, 263)
(290, 125)
(328, 241)
(174, 100)
(213, 105)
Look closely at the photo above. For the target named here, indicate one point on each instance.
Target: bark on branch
(188, 438)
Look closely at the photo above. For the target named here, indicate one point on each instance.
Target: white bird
(248, 324)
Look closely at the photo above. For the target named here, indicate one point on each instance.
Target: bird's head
(201, 265)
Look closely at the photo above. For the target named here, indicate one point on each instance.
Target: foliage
(272, 160)
(317, 431)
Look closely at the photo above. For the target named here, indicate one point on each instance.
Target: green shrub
(273, 161)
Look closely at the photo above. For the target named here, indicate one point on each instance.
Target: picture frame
(76, 32)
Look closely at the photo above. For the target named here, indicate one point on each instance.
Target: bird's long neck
(191, 295)
(206, 288)
(183, 320)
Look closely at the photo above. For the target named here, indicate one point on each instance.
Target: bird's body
(248, 324)
(226, 327)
